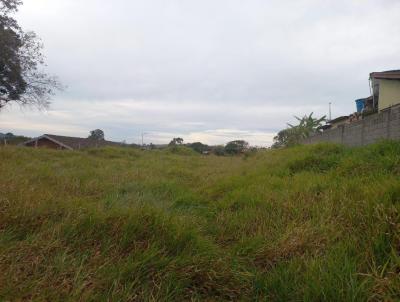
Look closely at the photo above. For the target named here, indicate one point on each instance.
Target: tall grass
(309, 223)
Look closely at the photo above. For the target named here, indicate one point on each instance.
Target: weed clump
(319, 159)
(181, 150)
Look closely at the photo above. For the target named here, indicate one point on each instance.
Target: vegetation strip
(308, 223)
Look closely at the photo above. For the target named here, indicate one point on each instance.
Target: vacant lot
(313, 223)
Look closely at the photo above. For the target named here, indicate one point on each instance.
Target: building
(341, 120)
(385, 88)
(377, 116)
(66, 142)
(366, 105)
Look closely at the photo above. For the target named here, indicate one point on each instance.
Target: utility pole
(143, 134)
(330, 111)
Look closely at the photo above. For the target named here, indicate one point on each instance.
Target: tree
(21, 80)
(12, 139)
(219, 150)
(176, 141)
(293, 135)
(236, 147)
(97, 134)
(307, 125)
(282, 139)
(199, 147)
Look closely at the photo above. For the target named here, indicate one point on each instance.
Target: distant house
(341, 120)
(386, 88)
(66, 142)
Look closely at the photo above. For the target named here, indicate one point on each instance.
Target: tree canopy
(199, 147)
(293, 135)
(176, 141)
(236, 147)
(97, 134)
(21, 77)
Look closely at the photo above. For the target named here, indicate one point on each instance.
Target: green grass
(309, 223)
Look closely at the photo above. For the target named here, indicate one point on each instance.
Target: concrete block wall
(383, 125)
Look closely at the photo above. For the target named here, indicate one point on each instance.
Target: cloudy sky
(209, 70)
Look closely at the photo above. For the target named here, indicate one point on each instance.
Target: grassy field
(309, 223)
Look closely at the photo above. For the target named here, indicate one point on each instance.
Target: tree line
(231, 148)
(292, 135)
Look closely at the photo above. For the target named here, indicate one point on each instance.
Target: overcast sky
(209, 70)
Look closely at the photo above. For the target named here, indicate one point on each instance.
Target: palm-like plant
(307, 125)
(295, 133)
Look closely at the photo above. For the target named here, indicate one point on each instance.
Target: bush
(321, 158)
(181, 150)
(236, 147)
(199, 147)
(219, 150)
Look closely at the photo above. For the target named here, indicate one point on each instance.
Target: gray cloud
(201, 66)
